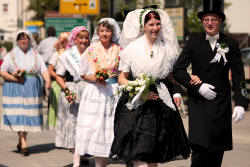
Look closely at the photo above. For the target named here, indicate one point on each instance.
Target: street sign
(88, 7)
(65, 23)
(177, 17)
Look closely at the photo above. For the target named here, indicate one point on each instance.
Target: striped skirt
(22, 105)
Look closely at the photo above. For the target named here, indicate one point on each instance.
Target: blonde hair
(61, 39)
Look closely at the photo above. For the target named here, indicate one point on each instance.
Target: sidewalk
(44, 154)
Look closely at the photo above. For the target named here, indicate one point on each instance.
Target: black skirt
(152, 133)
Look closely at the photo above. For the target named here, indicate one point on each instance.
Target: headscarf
(32, 42)
(73, 34)
(116, 34)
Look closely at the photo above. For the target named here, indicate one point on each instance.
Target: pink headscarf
(72, 36)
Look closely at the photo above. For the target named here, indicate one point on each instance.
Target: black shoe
(24, 151)
(18, 147)
(84, 161)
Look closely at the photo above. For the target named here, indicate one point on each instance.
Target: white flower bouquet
(137, 89)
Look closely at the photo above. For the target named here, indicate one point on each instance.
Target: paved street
(43, 153)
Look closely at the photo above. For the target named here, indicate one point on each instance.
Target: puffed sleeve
(61, 70)
(125, 60)
(85, 68)
(53, 60)
(6, 63)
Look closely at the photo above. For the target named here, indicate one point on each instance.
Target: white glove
(207, 92)
(238, 113)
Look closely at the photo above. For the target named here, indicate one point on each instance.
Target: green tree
(193, 23)
(42, 6)
(123, 7)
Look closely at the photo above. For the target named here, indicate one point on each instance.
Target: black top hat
(213, 6)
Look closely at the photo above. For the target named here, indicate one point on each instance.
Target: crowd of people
(89, 81)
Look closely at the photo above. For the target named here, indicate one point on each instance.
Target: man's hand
(207, 92)
(238, 113)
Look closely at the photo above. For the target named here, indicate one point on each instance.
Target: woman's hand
(195, 80)
(101, 82)
(47, 86)
(152, 96)
(18, 80)
(177, 101)
(11, 78)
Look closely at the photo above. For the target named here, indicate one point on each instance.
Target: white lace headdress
(32, 42)
(167, 50)
(134, 24)
(117, 30)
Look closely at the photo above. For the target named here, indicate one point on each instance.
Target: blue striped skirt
(23, 105)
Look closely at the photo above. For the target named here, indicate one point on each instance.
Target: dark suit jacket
(210, 121)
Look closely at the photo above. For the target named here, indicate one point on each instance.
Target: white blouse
(136, 57)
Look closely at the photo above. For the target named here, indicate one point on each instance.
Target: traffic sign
(177, 17)
(88, 7)
(65, 23)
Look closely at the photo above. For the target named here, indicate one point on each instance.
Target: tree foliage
(124, 7)
(193, 23)
(42, 6)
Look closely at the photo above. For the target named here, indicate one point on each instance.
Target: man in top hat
(212, 55)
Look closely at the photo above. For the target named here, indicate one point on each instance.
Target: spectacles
(213, 21)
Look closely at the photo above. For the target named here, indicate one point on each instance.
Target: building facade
(237, 14)
(13, 15)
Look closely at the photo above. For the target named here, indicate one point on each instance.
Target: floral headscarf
(73, 34)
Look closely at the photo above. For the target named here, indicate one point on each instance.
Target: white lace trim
(71, 61)
(117, 30)
(131, 29)
(162, 92)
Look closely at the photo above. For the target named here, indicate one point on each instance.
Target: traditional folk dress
(22, 102)
(94, 132)
(152, 131)
(69, 63)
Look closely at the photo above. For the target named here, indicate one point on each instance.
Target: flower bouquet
(69, 95)
(102, 74)
(19, 74)
(139, 88)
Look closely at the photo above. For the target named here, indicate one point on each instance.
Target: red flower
(95, 60)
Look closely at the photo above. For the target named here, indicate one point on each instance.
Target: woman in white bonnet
(95, 120)
(22, 97)
(148, 132)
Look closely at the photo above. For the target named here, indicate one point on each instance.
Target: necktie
(212, 40)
